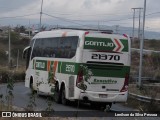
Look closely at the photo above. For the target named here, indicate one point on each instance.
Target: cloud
(10, 5)
(20, 8)
(104, 1)
(91, 11)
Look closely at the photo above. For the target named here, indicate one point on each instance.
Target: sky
(79, 12)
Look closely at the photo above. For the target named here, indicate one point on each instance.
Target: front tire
(63, 97)
(57, 97)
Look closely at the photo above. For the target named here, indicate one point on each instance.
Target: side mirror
(25, 51)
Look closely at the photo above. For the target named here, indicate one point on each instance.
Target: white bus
(91, 66)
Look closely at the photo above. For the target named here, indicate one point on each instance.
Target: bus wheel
(63, 97)
(57, 94)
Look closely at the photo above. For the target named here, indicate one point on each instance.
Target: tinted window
(59, 47)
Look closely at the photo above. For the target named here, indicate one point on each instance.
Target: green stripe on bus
(101, 71)
(72, 68)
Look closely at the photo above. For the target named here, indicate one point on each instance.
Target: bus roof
(58, 33)
(73, 32)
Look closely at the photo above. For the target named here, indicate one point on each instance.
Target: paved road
(21, 99)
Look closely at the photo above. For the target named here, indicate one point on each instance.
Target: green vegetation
(18, 75)
(150, 69)
(149, 90)
(17, 43)
(9, 96)
(151, 106)
(151, 60)
(148, 44)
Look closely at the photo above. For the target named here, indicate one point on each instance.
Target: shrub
(16, 76)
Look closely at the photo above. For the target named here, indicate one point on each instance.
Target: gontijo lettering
(96, 43)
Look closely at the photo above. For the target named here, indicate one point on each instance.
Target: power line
(102, 14)
(68, 20)
(64, 19)
(73, 21)
(89, 15)
(19, 16)
(78, 20)
(152, 13)
(81, 14)
(129, 18)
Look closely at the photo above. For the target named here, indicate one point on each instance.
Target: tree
(22, 29)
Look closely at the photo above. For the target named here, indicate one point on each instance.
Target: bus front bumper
(103, 96)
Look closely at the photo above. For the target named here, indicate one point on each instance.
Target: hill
(122, 30)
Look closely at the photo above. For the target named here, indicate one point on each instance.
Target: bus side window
(37, 49)
(57, 47)
(68, 46)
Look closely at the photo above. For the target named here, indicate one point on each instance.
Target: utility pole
(139, 28)
(9, 46)
(17, 58)
(133, 24)
(141, 46)
(29, 30)
(40, 16)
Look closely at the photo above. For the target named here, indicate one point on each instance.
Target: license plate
(103, 95)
